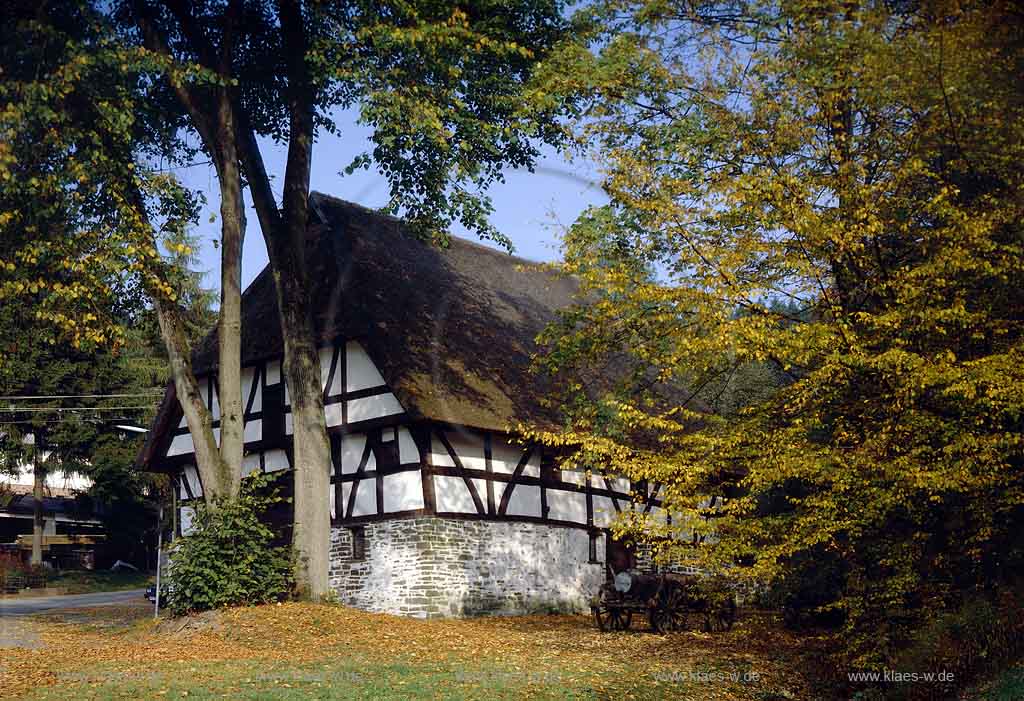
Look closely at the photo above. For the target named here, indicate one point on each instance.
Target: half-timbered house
(437, 509)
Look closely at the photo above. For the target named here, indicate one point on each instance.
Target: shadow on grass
(94, 581)
(349, 678)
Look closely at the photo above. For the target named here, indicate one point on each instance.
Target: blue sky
(530, 208)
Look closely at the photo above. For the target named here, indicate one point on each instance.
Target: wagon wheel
(670, 614)
(721, 618)
(609, 618)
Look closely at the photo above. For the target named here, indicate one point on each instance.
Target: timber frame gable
(389, 465)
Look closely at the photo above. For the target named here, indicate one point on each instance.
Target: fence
(13, 581)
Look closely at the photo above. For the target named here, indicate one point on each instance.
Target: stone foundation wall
(434, 567)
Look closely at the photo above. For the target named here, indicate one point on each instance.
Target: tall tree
(57, 411)
(89, 218)
(830, 190)
(442, 89)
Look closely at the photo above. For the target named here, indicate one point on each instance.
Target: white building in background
(63, 515)
(437, 508)
(58, 482)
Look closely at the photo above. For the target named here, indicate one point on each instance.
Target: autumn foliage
(807, 282)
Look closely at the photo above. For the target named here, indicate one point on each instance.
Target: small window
(358, 542)
(593, 548)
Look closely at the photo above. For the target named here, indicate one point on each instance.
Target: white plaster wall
(524, 501)
(249, 376)
(574, 477)
(452, 495)
(366, 499)
(180, 445)
(186, 515)
(438, 454)
(408, 453)
(352, 447)
(469, 446)
(567, 506)
(326, 356)
(403, 491)
(273, 372)
(190, 475)
(373, 407)
(333, 414)
(274, 460)
(604, 511)
(253, 431)
(505, 456)
(360, 372)
(250, 464)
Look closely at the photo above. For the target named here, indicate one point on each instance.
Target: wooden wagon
(669, 601)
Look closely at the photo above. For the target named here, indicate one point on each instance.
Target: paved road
(40, 604)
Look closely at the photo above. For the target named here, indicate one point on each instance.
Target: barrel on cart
(670, 602)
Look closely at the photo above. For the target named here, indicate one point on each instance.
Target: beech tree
(90, 222)
(443, 90)
(446, 91)
(828, 191)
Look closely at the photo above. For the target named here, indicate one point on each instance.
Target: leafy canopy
(827, 193)
(88, 221)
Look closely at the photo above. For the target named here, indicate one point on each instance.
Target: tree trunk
(311, 462)
(286, 244)
(220, 466)
(285, 238)
(229, 327)
(38, 482)
(312, 454)
(197, 416)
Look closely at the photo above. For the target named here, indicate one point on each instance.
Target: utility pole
(159, 548)
(38, 482)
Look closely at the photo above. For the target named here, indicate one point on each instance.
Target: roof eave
(167, 416)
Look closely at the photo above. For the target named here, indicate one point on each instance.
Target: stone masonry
(436, 567)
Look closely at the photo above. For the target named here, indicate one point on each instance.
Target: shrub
(983, 634)
(12, 572)
(810, 593)
(230, 558)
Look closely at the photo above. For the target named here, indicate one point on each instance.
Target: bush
(16, 574)
(983, 634)
(809, 595)
(230, 558)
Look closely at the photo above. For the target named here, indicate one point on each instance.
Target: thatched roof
(450, 329)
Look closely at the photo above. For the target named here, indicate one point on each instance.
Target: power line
(15, 397)
(19, 410)
(45, 421)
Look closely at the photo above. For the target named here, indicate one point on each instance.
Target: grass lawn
(90, 581)
(301, 651)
